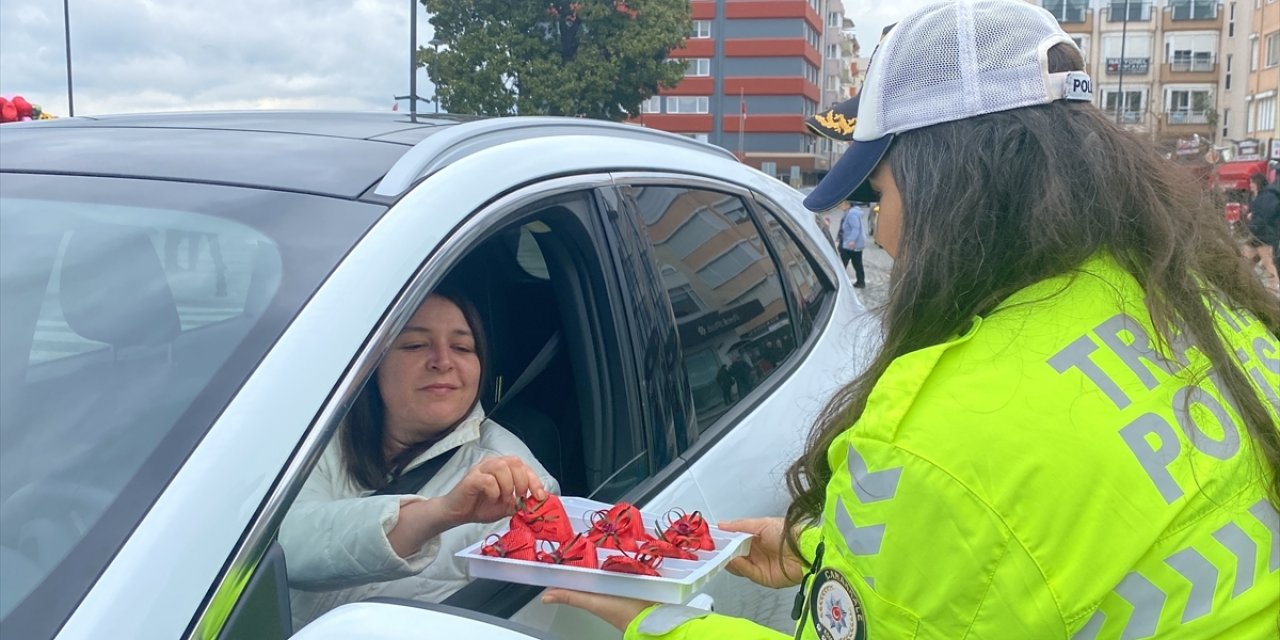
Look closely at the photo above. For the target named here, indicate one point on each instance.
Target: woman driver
(345, 544)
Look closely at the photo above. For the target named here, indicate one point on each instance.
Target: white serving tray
(680, 579)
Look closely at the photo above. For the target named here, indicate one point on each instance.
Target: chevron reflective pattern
(863, 541)
(872, 486)
(1202, 576)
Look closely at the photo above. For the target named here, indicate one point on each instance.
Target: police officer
(1071, 430)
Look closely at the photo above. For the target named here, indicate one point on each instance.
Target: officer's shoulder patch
(835, 608)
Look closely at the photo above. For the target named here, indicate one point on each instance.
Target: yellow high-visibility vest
(1052, 473)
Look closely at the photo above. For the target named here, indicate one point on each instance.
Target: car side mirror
(392, 619)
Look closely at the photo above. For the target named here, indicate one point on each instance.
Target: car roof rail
(461, 140)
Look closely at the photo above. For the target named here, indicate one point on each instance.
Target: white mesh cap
(950, 61)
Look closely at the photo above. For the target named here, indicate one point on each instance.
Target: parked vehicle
(190, 302)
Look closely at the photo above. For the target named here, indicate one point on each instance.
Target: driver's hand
(490, 490)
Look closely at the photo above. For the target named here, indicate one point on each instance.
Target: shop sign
(1249, 150)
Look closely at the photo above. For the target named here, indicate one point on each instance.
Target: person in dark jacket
(1264, 224)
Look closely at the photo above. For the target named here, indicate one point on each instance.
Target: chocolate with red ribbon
(545, 519)
(517, 544)
(688, 530)
(577, 552)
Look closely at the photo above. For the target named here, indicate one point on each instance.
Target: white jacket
(335, 535)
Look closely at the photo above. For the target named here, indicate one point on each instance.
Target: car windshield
(131, 311)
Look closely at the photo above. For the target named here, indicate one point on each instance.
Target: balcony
(1129, 66)
(1188, 15)
(1073, 15)
(1187, 117)
(1136, 11)
(1204, 70)
(1128, 116)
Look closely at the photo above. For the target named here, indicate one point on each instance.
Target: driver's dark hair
(996, 203)
(362, 431)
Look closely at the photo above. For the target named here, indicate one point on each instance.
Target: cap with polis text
(945, 62)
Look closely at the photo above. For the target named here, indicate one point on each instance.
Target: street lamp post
(66, 25)
(413, 59)
(435, 64)
(1124, 33)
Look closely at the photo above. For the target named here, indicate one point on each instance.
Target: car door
(749, 305)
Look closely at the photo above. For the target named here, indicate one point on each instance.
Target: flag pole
(742, 122)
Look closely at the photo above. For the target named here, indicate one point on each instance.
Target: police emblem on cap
(837, 123)
(835, 609)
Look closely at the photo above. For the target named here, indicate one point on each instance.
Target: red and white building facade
(756, 70)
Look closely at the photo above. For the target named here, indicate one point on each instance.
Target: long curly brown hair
(975, 232)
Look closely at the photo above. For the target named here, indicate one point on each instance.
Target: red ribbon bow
(546, 519)
(621, 527)
(641, 564)
(688, 531)
(577, 552)
(517, 544)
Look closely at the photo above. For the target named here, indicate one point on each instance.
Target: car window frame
(753, 201)
(478, 227)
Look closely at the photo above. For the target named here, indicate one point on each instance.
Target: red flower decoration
(666, 550)
(641, 564)
(517, 544)
(577, 552)
(620, 527)
(545, 519)
(688, 531)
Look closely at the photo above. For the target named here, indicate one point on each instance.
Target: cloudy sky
(167, 55)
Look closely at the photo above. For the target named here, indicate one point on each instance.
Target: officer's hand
(770, 563)
(615, 610)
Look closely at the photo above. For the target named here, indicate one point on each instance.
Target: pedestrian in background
(852, 240)
(1264, 226)
(1071, 429)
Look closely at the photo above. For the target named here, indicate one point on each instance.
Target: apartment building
(841, 76)
(755, 71)
(1159, 67)
(1261, 117)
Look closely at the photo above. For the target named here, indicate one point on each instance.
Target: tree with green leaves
(590, 58)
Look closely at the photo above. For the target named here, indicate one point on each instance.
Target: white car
(191, 301)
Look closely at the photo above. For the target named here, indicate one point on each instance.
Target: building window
(1067, 10)
(1264, 113)
(1130, 55)
(1273, 49)
(688, 104)
(701, 29)
(1191, 52)
(810, 73)
(1129, 11)
(1226, 122)
(833, 19)
(1231, 21)
(697, 67)
(652, 105)
(1194, 9)
(1083, 43)
(1188, 106)
(1226, 80)
(833, 51)
(1127, 108)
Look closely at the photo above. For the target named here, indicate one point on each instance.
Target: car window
(131, 312)
(550, 389)
(724, 290)
(809, 290)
